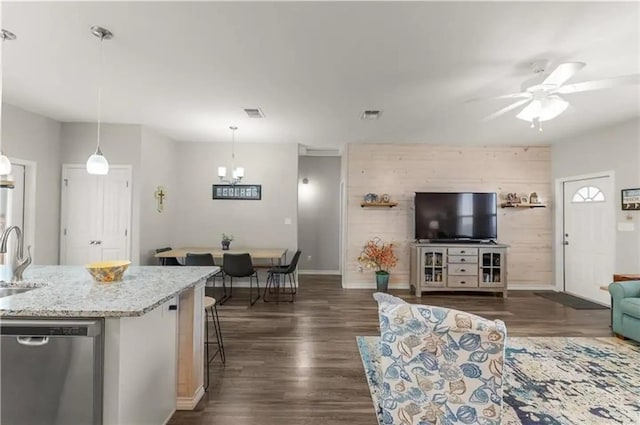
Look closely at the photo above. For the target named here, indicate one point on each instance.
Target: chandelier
(237, 173)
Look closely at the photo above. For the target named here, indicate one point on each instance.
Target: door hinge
(66, 182)
(127, 183)
(126, 232)
(65, 232)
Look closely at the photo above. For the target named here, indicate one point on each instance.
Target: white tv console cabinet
(458, 267)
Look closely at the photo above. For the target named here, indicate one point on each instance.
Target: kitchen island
(149, 355)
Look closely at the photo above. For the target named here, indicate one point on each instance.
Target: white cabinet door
(95, 215)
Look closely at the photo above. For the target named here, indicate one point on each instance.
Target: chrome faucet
(22, 263)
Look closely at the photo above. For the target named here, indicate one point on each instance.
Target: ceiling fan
(541, 95)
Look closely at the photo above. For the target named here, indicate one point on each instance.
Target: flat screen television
(456, 216)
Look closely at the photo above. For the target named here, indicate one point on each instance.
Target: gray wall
(319, 213)
(614, 148)
(158, 169)
(32, 137)
(121, 145)
(200, 221)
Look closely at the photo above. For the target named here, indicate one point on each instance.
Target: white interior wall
(32, 137)
(614, 148)
(121, 145)
(158, 169)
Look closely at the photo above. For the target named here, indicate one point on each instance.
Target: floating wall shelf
(510, 205)
(378, 204)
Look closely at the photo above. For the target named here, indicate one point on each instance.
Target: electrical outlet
(360, 269)
(308, 258)
(287, 220)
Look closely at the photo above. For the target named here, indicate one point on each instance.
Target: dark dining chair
(206, 260)
(240, 265)
(167, 261)
(278, 275)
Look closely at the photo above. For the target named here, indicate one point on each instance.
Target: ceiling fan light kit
(540, 95)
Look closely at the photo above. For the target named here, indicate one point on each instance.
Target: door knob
(565, 243)
(98, 242)
(92, 242)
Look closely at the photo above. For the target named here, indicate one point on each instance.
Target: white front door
(589, 237)
(96, 215)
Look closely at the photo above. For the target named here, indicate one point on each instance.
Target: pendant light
(237, 173)
(5, 164)
(97, 163)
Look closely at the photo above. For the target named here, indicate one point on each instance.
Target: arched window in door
(588, 194)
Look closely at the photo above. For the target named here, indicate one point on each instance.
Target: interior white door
(96, 215)
(113, 241)
(79, 217)
(589, 237)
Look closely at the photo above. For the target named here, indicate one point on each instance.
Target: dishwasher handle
(33, 341)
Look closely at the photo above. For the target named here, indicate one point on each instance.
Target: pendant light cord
(1, 85)
(233, 150)
(100, 65)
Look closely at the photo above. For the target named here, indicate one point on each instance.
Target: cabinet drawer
(463, 251)
(463, 270)
(462, 282)
(473, 259)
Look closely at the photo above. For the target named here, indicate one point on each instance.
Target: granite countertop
(69, 291)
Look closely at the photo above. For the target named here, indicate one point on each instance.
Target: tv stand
(458, 266)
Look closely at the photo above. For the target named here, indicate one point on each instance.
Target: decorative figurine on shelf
(370, 198)
(533, 198)
(512, 198)
(385, 198)
(226, 241)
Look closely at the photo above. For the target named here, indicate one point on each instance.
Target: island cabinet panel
(191, 330)
(140, 373)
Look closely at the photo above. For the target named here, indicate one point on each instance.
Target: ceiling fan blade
(504, 96)
(599, 84)
(505, 110)
(562, 73)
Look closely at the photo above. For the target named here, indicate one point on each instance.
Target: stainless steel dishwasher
(51, 372)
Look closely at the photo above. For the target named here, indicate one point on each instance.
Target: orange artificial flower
(378, 255)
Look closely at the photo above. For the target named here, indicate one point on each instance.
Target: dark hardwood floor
(298, 364)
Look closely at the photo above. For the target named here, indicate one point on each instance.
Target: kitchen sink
(7, 292)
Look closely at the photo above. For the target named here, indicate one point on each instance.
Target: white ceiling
(188, 69)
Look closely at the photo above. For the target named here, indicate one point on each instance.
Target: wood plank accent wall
(402, 169)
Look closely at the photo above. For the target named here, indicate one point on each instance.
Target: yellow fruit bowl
(107, 271)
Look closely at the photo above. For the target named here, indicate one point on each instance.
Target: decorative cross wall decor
(160, 195)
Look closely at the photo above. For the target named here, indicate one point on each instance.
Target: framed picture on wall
(247, 192)
(631, 199)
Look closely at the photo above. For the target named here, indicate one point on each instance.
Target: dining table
(274, 255)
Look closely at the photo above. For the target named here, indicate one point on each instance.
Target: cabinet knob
(462, 282)
(463, 260)
(463, 251)
(463, 270)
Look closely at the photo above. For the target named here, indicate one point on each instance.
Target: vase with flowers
(379, 256)
(226, 241)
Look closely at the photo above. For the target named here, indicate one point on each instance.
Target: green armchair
(625, 307)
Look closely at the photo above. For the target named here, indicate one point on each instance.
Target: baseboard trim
(372, 285)
(189, 403)
(322, 272)
(402, 285)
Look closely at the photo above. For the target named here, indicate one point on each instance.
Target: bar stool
(211, 308)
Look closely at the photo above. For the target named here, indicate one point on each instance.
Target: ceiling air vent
(254, 112)
(371, 114)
